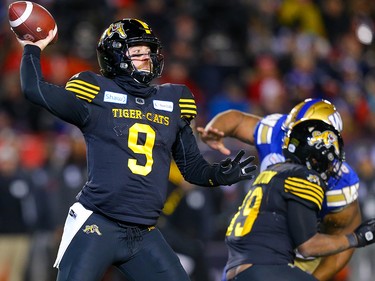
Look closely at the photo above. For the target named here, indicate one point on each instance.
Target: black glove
(229, 171)
(364, 234)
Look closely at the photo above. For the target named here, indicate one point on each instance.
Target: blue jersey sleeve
(341, 192)
(269, 137)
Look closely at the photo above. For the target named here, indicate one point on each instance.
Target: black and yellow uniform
(132, 131)
(130, 136)
(278, 214)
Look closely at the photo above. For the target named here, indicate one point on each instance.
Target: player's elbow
(305, 252)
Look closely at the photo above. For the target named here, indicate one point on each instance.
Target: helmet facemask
(156, 62)
(326, 169)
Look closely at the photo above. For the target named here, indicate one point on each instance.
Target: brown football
(30, 21)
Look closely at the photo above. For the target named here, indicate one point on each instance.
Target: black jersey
(261, 232)
(130, 138)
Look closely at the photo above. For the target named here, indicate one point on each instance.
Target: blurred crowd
(256, 56)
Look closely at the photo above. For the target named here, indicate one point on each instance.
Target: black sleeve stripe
(188, 108)
(83, 89)
(305, 189)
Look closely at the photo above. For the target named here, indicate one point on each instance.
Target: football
(31, 21)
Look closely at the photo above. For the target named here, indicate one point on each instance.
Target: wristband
(353, 241)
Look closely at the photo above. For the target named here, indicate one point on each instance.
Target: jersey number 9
(145, 148)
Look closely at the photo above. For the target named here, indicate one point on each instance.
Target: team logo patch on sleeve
(314, 179)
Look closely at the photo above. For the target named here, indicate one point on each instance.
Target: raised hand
(42, 44)
(231, 171)
(214, 139)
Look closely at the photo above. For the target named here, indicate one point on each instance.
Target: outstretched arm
(195, 169)
(230, 123)
(343, 222)
(320, 244)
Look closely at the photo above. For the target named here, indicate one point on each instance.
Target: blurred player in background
(132, 130)
(340, 213)
(279, 213)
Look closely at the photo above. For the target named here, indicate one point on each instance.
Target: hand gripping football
(31, 21)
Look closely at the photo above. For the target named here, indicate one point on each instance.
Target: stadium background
(256, 56)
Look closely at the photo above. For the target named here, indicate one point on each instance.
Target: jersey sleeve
(307, 189)
(268, 138)
(193, 167)
(84, 86)
(187, 104)
(302, 222)
(55, 99)
(264, 131)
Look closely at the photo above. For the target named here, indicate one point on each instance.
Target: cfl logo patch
(90, 229)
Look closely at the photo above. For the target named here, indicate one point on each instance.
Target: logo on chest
(115, 97)
(163, 105)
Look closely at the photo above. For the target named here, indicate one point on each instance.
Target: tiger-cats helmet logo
(116, 28)
(326, 138)
(89, 229)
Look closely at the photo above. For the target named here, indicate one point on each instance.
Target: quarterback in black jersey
(279, 213)
(132, 130)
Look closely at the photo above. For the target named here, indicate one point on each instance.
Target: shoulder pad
(305, 187)
(268, 130)
(84, 85)
(271, 120)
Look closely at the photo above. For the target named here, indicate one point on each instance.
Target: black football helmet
(317, 145)
(112, 50)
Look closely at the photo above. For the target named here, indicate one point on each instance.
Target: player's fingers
(238, 157)
(247, 161)
(43, 43)
(200, 130)
(224, 150)
(247, 177)
(215, 131)
(249, 169)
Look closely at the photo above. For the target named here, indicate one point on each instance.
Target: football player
(132, 130)
(279, 213)
(340, 211)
